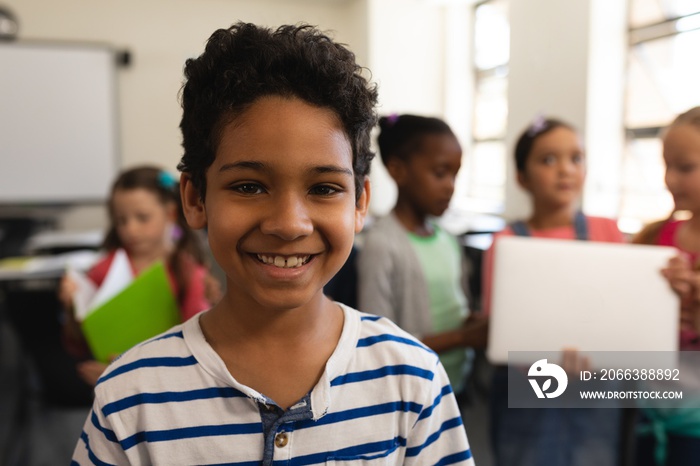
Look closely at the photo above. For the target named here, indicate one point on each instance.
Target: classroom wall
(547, 74)
(419, 57)
(568, 60)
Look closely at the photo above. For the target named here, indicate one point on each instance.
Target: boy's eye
(324, 190)
(577, 158)
(248, 188)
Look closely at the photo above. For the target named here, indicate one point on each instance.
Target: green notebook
(144, 309)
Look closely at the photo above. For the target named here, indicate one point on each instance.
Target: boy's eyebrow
(244, 164)
(260, 166)
(332, 169)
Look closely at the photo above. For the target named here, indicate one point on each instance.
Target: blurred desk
(28, 286)
(57, 242)
(461, 223)
(29, 268)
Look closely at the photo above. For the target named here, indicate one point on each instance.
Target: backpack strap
(520, 228)
(581, 226)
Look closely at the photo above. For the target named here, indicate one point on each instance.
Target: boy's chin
(285, 301)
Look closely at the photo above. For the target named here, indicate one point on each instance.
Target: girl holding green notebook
(146, 221)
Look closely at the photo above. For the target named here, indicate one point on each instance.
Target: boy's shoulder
(167, 350)
(173, 361)
(386, 339)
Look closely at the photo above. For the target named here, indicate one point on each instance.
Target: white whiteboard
(58, 122)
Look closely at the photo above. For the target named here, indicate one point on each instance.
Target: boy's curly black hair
(245, 62)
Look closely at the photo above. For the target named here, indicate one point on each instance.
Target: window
(486, 169)
(662, 81)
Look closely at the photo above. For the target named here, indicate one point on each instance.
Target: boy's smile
(280, 203)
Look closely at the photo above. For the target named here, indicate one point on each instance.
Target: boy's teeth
(284, 262)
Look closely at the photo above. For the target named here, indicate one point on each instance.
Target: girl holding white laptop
(551, 167)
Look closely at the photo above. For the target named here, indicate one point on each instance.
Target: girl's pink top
(690, 340)
(599, 229)
(194, 299)
(667, 237)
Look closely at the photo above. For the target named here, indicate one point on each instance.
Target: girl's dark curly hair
(245, 62)
(402, 135)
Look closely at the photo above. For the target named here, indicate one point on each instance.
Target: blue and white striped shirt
(383, 399)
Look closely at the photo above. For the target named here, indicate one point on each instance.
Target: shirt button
(281, 440)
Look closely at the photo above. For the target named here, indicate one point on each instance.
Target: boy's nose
(288, 218)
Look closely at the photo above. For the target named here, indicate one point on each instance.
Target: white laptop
(552, 294)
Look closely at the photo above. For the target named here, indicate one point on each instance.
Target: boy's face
(280, 203)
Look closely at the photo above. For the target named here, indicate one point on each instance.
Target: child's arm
(473, 333)
(73, 338)
(91, 371)
(685, 281)
(66, 290)
(680, 276)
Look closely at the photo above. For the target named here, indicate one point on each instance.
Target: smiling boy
(276, 135)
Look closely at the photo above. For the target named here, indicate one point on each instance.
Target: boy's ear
(192, 204)
(362, 206)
